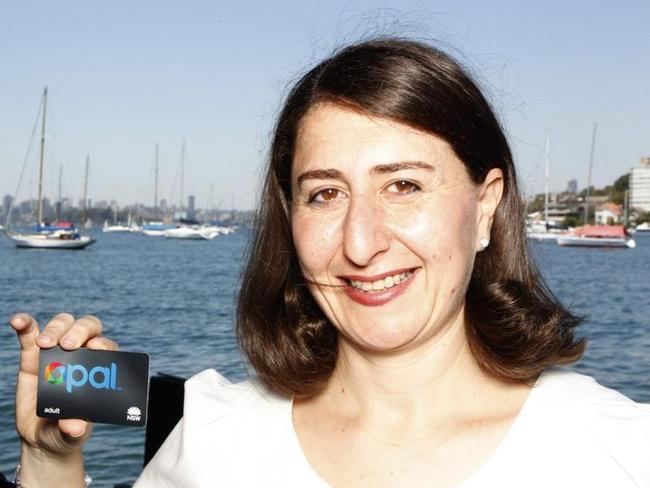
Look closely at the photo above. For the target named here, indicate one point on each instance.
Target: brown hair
(516, 327)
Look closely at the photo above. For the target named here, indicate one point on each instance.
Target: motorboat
(193, 232)
(598, 236)
(643, 228)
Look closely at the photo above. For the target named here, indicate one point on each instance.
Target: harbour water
(175, 300)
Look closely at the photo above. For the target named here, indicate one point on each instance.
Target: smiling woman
(376, 118)
(400, 333)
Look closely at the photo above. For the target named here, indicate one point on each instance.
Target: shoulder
(575, 393)
(225, 427)
(209, 396)
(598, 421)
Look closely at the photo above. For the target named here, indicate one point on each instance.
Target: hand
(47, 439)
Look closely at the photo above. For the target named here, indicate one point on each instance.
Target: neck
(432, 382)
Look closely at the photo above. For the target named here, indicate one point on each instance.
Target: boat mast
(84, 215)
(155, 194)
(591, 165)
(182, 172)
(548, 151)
(59, 203)
(40, 165)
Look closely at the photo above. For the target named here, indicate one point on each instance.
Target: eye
(325, 196)
(404, 187)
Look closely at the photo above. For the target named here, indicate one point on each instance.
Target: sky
(123, 76)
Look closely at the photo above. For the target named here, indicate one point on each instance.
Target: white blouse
(571, 432)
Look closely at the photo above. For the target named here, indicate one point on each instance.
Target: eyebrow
(333, 174)
(394, 167)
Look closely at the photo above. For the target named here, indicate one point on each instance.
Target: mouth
(381, 284)
(380, 289)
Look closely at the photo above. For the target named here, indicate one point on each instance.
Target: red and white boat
(598, 236)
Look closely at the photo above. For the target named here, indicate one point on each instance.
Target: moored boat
(643, 228)
(154, 229)
(115, 227)
(60, 239)
(542, 236)
(598, 236)
(61, 235)
(197, 233)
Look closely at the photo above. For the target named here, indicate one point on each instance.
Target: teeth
(380, 285)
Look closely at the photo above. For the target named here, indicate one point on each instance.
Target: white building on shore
(640, 186)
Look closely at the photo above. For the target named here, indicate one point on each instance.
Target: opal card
(109, 387)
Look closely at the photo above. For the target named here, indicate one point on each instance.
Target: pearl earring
(485, 242)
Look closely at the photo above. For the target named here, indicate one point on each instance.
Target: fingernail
(17, 320)
(79, 434)
(69, 340)
(45, 340)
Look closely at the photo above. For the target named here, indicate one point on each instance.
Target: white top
(571, 432)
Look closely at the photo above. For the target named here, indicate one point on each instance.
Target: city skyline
(123, 78)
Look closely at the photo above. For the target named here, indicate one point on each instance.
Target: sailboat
(155, 228)
(539, 231)
(56, 236)
(187, 228)
(587, 235)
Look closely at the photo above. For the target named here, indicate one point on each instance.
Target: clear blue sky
(125, 75)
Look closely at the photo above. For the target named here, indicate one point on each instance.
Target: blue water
(174, 299)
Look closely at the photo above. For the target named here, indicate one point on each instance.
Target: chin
(384, 338)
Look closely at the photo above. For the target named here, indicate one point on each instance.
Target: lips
(379, 289)
(381, 284)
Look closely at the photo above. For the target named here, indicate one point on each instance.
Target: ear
(489, 196)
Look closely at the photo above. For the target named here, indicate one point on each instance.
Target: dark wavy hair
(516, 327)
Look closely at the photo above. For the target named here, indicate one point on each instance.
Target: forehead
(331, 135)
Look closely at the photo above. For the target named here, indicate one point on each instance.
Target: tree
(573, 221)
(642, 217)
(622, 183)
(536, 205)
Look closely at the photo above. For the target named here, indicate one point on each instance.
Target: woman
(400, 334)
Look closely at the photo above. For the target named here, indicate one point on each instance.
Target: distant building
(609, 213)
(28, 206)
(640, 186)
(163, 204)
(7, 200)
(572, 186)
(191, 209)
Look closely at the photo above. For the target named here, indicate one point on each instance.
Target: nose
(365, 233)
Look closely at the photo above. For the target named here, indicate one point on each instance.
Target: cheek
(315, 241)
(445, 229)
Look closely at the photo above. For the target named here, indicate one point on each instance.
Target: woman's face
(386, 223)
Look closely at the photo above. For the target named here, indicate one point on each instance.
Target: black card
(109, 387)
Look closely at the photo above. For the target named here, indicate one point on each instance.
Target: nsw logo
(77, 375)
(134, 414)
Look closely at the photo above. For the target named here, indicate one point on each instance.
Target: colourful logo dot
(54, 373)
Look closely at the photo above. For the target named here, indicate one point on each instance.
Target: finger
(27, 329)
(54, 330)
(102, 344)
(74, 428)
(81, 331)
